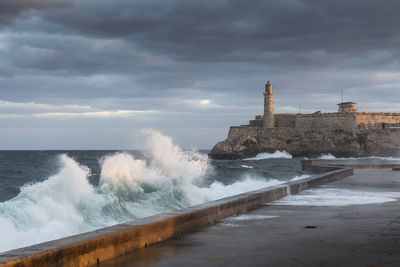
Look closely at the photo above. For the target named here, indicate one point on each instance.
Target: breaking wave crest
(65, 204)
(275, 155)
(326, 156)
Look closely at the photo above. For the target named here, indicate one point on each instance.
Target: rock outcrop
(241, 147)
(243, 142)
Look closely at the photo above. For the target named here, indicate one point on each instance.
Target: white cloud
(10, 106)
(205, 102)
(115, 113)
(31, 109)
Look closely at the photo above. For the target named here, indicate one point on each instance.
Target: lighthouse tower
(268, 120)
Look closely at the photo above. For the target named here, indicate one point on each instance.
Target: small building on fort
(346, 132)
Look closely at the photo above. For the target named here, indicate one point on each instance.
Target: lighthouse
(268, 120)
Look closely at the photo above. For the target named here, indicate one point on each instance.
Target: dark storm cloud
(241, 30)
(127, 36)
(10, 9)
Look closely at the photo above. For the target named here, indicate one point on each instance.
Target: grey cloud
(10, 9)
(218, 30)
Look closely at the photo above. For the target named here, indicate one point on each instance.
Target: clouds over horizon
(197, 64)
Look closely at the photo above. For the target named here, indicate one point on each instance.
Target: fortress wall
(382, 142)
(285, 120)
(312, 122)
(243, 131)
(328, 121)
(256, 123)
(394, 136)
(375, 120)
(306, 122)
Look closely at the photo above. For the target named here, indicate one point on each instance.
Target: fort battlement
(345, 132)
(332, 120)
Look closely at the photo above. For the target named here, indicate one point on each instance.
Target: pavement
(343, 223)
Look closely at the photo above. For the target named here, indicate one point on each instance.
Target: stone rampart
(256, 123)
(243, 131)
(377, 120)
(331, 121)
(285, 120)
(307, 122)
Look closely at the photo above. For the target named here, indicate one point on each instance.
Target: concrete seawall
(320, 166)
(106, 243)
(349, 222)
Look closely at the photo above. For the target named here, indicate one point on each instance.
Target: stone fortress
(343, 134)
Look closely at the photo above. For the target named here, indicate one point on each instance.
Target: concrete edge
(106, 243)
(363, 166)
(307, 165)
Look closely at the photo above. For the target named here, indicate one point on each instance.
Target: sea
(46, 195)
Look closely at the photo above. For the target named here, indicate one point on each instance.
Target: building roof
(346, 103)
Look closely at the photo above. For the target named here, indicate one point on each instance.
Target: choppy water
(52, 194)
(45, 195)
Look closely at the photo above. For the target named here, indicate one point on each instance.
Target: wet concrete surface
(292, 235)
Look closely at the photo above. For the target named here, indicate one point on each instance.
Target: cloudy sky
(90, 74)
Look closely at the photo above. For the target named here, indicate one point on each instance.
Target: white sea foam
(233, 220)
(326, 156)
(300, 177)
(129, 188)
(275, 155)
(337, 197)
(331, 157)
(246, 166)
(251, 217)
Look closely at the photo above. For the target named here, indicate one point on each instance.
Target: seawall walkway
(287, 234)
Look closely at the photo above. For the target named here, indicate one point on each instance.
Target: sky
(92, 74)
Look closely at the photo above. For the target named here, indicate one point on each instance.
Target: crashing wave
(129, 188)
(275, 155)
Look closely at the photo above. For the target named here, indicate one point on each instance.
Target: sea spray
(274, 155)
(326, 157)
(169, 160)
(59, 206)
(167, 178)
